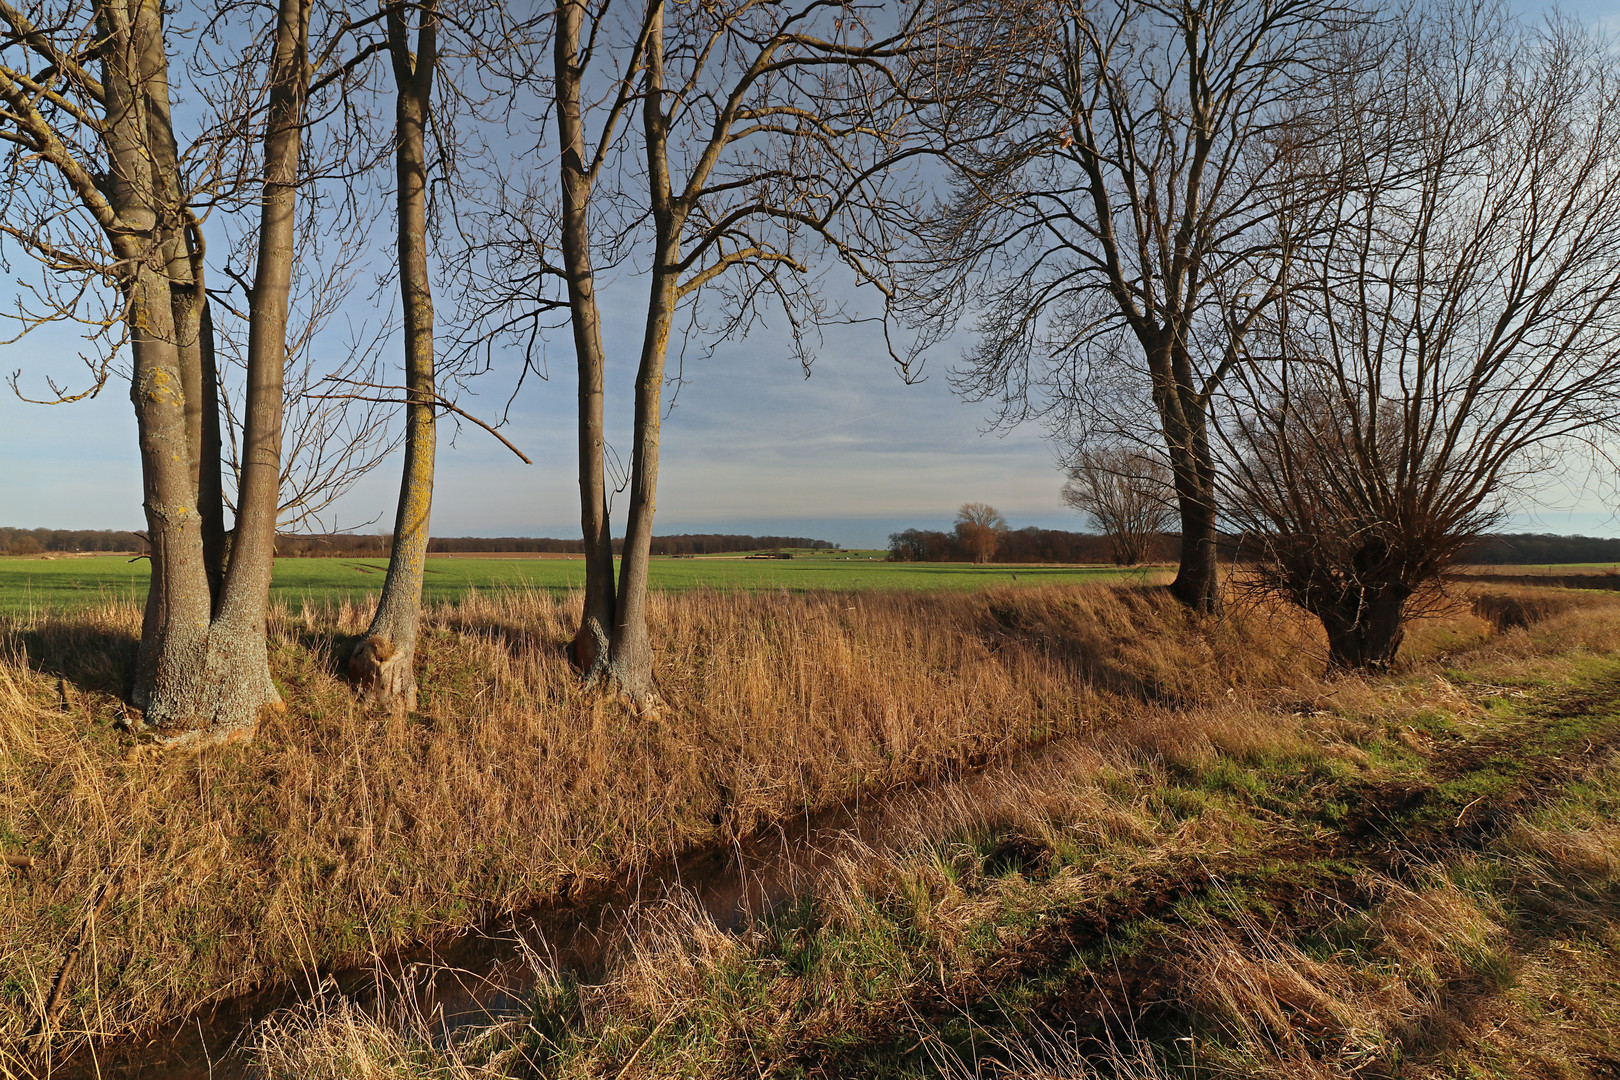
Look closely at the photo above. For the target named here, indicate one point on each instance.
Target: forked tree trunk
(202, 678)
(592, 641)
(384, 663)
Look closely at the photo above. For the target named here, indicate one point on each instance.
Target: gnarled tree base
(1365, 633)
(383, 674)
(216, 695)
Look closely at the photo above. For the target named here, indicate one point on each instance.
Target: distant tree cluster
(1026, 545)
(38, 541)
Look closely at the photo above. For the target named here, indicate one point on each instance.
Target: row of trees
(676, 544)
(708, 151)
(1349, 276)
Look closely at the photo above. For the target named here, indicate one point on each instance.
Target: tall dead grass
(340, 833)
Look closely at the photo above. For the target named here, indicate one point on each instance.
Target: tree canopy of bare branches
(1114, 166)
(1447, 321)
(712, 154)
(1127, 494)
(980, 527)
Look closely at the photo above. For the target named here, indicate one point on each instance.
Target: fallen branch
(58, 999)
(21, 862)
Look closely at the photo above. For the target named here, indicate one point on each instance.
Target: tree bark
(1197, 582)
(175, 628)
(219, 693)
(592, 640)
(1184, 421)
(631, 644)
(384, 662)
(1365, 629)
(141, 187)
(631, 649)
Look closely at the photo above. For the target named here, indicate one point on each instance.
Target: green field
(40, 584)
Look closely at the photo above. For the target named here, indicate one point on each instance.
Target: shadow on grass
(93, 658)
(1081, 645)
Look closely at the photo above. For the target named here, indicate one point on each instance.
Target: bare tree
(1127, 494)
(711, 149)
(1114, 168)
(980, 527)
(1448, 319)
(100, 193)
(384, 662)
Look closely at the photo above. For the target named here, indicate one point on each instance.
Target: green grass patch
(29, 583)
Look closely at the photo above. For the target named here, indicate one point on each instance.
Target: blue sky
(850, 454)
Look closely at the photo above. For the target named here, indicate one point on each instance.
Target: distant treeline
(1027, 545)
(1033, 545)
(679, 544)
(378, 545)
(36, 541)
(1523, 549)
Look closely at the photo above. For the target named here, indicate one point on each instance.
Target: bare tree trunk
(174, 632)
(591, 642)
(224, 689)
(1185, 424)
(1197, 582)
(631, 649)
(1365, 628)
(632, 644)
(384, 663)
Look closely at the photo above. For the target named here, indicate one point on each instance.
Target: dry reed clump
(329, 1037)
(1562, 629)
(339, 832)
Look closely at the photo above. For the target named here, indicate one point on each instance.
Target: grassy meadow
(44, 584)
(1129, 841)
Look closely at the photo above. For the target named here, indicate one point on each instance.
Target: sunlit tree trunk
(591, 642)
(632, 657)
(384, 662)
(218, 680)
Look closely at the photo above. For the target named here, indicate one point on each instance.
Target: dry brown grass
(339, 832)
(1454, 967)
